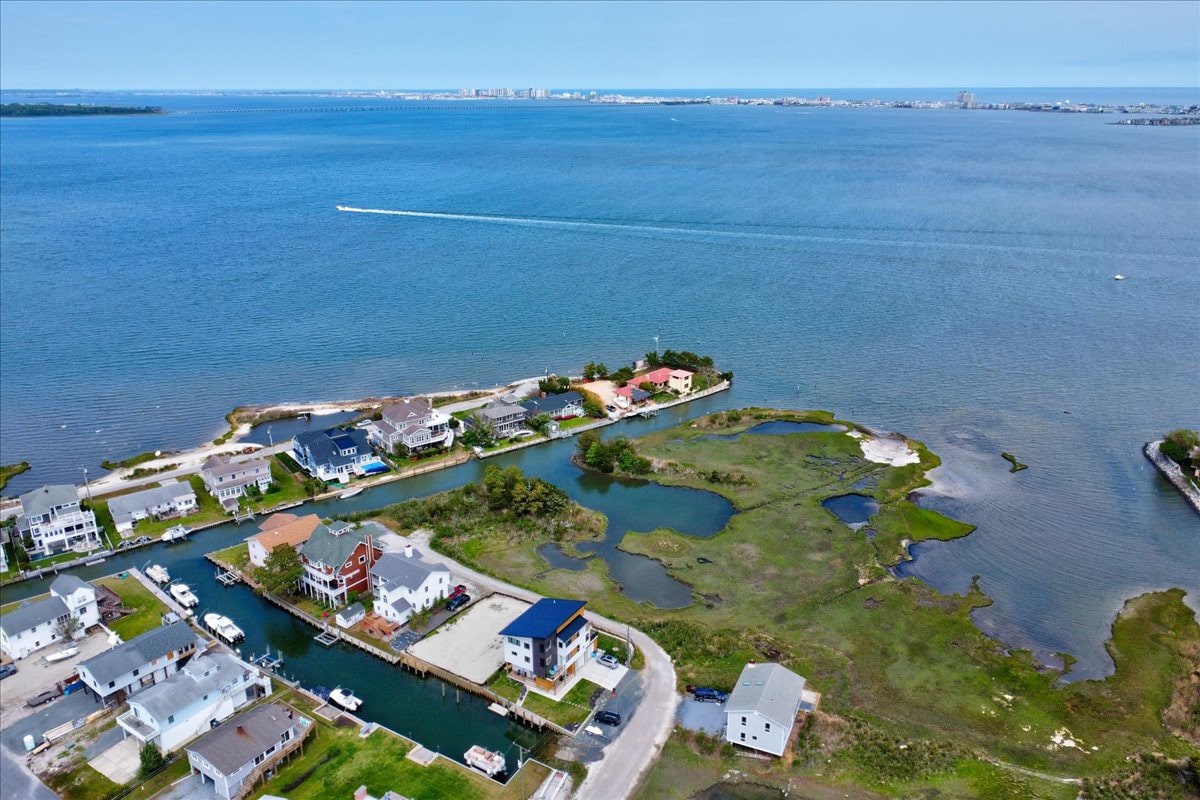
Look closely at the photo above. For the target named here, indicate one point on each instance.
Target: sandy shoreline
(890, 449)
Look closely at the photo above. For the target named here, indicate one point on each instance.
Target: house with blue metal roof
(549, 643)
(336, 454)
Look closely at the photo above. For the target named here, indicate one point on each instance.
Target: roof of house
(224, 465)
(399, 570)
(139, 651)
(39, 501)
(332, 545)
(67, 583)
(123, 507)
(238, 741)
(33, 614)
(406, 411)
(384, 427)
(660, 375)
(352, 611)
(572, 627)
(543, 618)
(681, 373)
(634, 393)
(553, 403)
(325, 446)
(498, 410)
(295, 532)
(276, 520)
(401, 605)
(204, 675)
(769, 689)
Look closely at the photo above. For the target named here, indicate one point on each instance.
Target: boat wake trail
(731, 234)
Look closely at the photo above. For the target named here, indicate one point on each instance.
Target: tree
(151, 759)
(622, 376)
(1178, 444)
(68, 626)
(589, 371)
(282, 571)
(313, 486)
(540, 423)
(480, 433)
(652, 359)
(601, 370)
(585, 440)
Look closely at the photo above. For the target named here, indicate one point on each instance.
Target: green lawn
(147, 609)
(286, 487)
(336, 761)
(209, 511)
(504, 686)
(237, 557)
(574, 422)
(572, 708)
(617, 647)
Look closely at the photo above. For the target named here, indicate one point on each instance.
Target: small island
(1177, 456)
(73, 110)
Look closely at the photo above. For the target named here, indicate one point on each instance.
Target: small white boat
(496, 708)
(175, 533)
(346, 495)
(224, 627)
(184, 595)
(158, 574)
(62, 655)
(484, 760)
(345, 699)
(1118, 277)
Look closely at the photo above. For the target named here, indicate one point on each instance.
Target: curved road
(627, 757)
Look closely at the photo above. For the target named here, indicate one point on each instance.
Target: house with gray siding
(246, 746)
(170, 499)
(227, 479)
(762, 708)
(52, 517)
(143, 661)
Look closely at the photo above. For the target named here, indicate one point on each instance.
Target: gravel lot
(469, 645)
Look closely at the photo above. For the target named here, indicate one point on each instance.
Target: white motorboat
(345, 699)
(184, 595)
(175, 533)
(346, 495)
(158, 574)
(486, 761)
(1118, 277)
(224, 627)
(62, 655)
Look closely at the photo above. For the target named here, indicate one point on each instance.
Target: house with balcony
(762, 709)
(168, 500)
(505, 418)
(338, 559)
(403, 584)
(629, 395)
(278, 529)
(548, 643)
(227, 479)
(567, 405)
(412, 425)
(680, 381)
(204, 692)
(52, 517)
(130, 667)
(232, 757)
(336, 455)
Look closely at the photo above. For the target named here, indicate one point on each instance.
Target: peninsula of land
(67, 110)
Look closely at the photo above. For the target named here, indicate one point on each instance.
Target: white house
(36, 625)
(505, 418)
(548, 643)
(350, 616)
(335, 455)
(206, 690)
(227, 479)
(139, 663)
(762, 708)
(414, 423)
(52, 518)
(403, 584)
(171, 499)
(246, 746)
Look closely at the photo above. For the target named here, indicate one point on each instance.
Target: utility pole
(87, 486)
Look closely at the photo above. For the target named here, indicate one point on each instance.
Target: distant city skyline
(356, 45)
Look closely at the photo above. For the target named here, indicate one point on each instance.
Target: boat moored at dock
(158, 573)
(184, 595)
(488, 762)
(224, 628)
(345, 699)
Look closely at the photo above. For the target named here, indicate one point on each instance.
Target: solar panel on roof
(343, 443)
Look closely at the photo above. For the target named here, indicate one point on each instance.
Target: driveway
(193, 787)
(702, 717)
(120, 762)
(19, 782)
(601, 675)
(624, 759)
(35, 676)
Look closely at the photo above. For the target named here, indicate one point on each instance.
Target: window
(755, 738)
(171, 719)
(526, 659)
(767, 727)
(111, 684)
(286, 735)
(362, 559)
(136, 671)
(259, 759)
(743, 720)
(742, 736)
(526, 645)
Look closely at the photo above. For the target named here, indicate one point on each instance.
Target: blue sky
(286, 45)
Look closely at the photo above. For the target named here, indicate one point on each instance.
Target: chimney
(408, 551)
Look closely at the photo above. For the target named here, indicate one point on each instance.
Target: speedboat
(224, 627)
(62, 655)
(175, 533)
(184, 596)
(1118, 277)
(158, 574)
(345, 699)
(346, 495)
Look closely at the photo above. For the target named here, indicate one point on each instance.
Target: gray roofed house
(166, 500)
(37, 625)
(762, 708)
(227, 479)
(403, 583)
(31, 615)
(228, 755)
(66, 583)
(53, 518)
(505, 418)
(413, 423)
(558, 406)
(39, 502)
(141, 662)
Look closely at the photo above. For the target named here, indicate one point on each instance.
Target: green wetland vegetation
(10, 471)
(61, 110)
(917, 701)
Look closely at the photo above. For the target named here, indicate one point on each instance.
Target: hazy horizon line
(951, 87)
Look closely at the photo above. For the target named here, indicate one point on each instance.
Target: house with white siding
(227, 479)
(138, 664)
(412, 425)
(762, 708)
(168, 500)
(548, 643)
(40, 624)
(205, 691)
(52, 517)
(403, 584)
(246, 746)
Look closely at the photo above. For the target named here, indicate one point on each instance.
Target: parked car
(608, 717)
(609, 660)
(457, 602)
(704, 694)
(142, 540)
(125, 545)
(44, 697)
(7, 669)
(460, 589)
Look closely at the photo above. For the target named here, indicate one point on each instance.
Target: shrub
(151, 760)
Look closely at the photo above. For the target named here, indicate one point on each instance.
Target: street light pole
(87, 486)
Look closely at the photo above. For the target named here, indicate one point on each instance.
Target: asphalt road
(626, 758)
(18, 783)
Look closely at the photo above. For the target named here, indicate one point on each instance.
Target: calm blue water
(946, 274)
(852, 509)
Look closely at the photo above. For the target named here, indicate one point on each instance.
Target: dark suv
(608, 717)
(457, 602)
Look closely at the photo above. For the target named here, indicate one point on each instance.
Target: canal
(425, 709)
